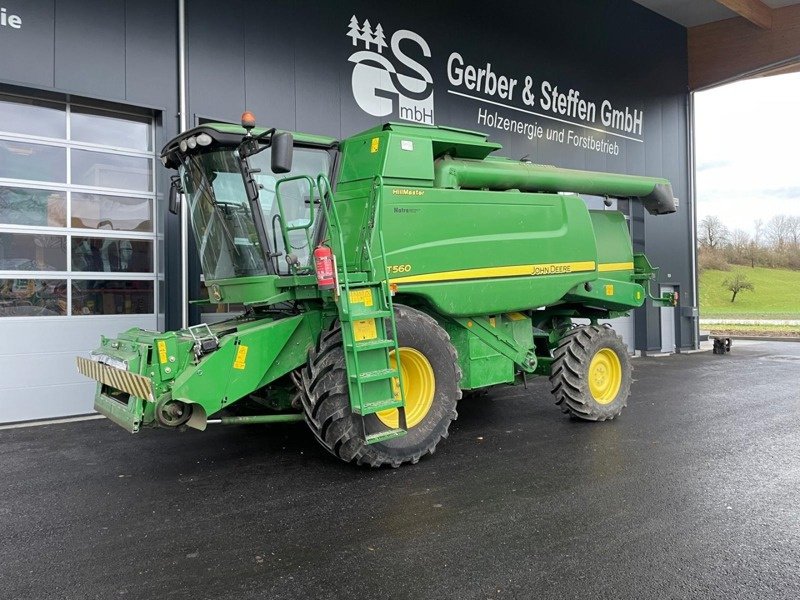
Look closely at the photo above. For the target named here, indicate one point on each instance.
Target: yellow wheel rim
(419, 385)
(605, 376)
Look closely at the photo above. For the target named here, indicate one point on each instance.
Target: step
(368, 376)
(370, 345)
(374, 438)
(363, 316)
(369, 408)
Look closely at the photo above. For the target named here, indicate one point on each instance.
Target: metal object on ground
(722, 345)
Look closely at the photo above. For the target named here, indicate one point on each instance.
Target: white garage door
(77, 246)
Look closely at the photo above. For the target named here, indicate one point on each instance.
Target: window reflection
(32, 252)
(105, 297)
(33, 297)
(42, 271)
(32, 117)
(35, 162)
(23, 206)
(116, 171)
(112, 255)
(128, 214)
(100, 127)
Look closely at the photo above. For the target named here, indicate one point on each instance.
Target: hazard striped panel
(134, 384)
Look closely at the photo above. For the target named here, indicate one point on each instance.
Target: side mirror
(282, 149)
(174, 201)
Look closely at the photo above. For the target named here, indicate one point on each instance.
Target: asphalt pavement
(692, 493)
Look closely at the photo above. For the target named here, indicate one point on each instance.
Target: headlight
(192, 143)
(204, 139)
(183, 146)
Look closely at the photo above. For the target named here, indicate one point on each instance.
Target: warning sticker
(162, 351)
(373, 147)
(241, 358)
(609, 290)
(365, 330)
(361, 297)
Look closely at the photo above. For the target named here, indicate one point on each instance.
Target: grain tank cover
(451, 141)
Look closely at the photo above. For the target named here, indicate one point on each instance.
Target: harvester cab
(251, 211)
(381, 275)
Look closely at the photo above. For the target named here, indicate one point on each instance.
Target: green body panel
(477, 251)
(502, 253)
(491, 351)
(218, 379)
(486, 247)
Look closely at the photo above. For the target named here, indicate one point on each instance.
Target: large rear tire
(431, 377)
(591, 373)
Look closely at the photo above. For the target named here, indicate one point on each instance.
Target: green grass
(776, 294)
(756, 330)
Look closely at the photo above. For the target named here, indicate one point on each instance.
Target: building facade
(90, 92)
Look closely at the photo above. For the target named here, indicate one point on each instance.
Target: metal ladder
(368, 325)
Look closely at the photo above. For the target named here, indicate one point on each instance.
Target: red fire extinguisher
(324, 265)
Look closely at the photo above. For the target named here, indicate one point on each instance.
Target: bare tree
(793, 230)
(740, 244)
(758, 232)
(713, 233)
(737, 283)
(754, 251)
(778, 232)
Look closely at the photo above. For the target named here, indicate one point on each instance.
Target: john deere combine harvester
(382, 275)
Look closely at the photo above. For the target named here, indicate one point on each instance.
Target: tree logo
(378, 86)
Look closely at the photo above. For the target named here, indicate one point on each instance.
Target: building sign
(9, 20)
(535, 110)
(378, 86)
(390, 81)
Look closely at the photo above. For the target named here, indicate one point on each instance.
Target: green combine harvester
(381, 276)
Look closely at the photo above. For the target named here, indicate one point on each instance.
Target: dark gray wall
(287, 62)
(119, 51)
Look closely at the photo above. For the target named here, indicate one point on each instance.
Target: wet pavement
(692, 493)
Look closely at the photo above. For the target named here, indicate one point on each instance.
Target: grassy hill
(776, 295)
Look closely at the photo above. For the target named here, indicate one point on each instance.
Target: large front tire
(431, 377)
(591, 373)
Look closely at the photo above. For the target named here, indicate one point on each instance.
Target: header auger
(381, 275)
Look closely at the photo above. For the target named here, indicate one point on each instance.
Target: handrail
(285, 228)
(377, 190)
(332, 220)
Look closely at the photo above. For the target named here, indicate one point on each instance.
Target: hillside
(776, 295)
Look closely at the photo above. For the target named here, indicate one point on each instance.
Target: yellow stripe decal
(621, 266)
(491, 272)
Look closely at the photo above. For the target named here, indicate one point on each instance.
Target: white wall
(38, 377)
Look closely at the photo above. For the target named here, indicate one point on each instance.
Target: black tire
(569, 373)
(326, 401)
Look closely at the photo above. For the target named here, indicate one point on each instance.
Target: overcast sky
(748, 150)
